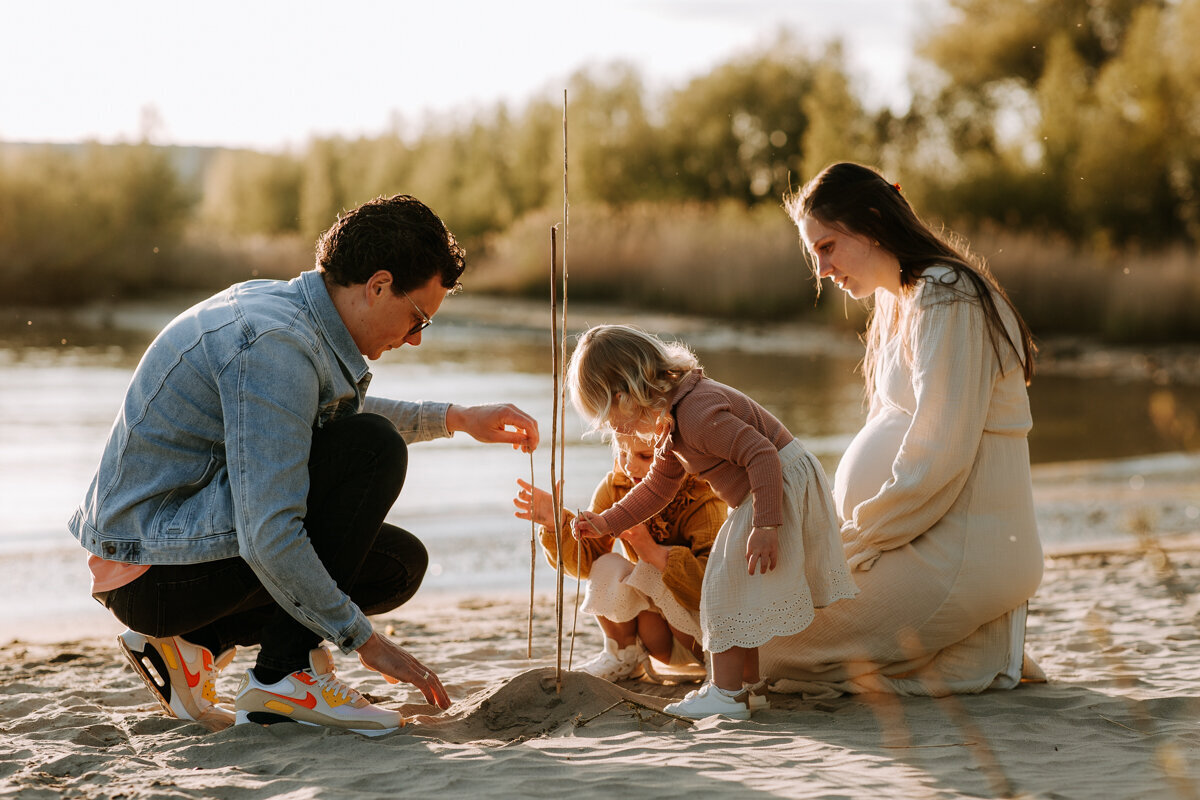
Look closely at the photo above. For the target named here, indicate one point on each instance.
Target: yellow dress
(687, 526)
(935, 499)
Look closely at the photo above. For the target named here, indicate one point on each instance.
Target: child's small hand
(639, 538)
(534, 504)
(589, 525)
(762, 550)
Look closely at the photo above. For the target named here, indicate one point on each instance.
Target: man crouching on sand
(241, 496)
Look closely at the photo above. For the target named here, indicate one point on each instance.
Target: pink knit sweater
(722, 436)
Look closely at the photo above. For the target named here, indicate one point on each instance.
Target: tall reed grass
(719, 260)
(1127, 296)
(116, 223)
(728, 261)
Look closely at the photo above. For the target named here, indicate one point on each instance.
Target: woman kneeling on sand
(934, 493)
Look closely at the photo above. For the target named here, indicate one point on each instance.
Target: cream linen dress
(936, 502)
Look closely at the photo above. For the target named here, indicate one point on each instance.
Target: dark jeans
(356, 470)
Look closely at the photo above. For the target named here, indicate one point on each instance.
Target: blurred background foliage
(1062, 137)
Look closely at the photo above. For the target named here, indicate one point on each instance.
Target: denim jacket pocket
(201, 513)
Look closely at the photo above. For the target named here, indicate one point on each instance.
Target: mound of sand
(533, 704)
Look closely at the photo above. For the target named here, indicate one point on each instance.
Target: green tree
(246, 192)
(1183, 72)
(1123, 164)
(839, 129)
(615, 150)
(84, 223)
(536, 157)
(736, 132)
(1065, 112)
(322, 197)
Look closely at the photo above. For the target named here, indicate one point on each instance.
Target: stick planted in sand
(555, 488)
(559, 347)
(563, 363)
(532, 561)
(560, 405)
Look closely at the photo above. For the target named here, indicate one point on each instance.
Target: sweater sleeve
(717, 429)
(578, 556)
(684, 574)
(650, 496)
(952, 377)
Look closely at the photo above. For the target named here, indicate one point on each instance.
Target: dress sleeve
(953, 373)
(684, 574)
(578, 556)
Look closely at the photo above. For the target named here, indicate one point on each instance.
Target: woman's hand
(590, 525)
(638, 537)
(762, 550)
(495, 423)
(535, 504)
(384, 656)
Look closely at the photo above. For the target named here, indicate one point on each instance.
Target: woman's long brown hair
(859, 200)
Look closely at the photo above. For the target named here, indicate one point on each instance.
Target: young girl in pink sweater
(778, 555)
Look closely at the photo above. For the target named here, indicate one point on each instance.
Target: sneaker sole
(738, 715)
(163, 692)
(266, 718)
(137, 660)
(637, 673)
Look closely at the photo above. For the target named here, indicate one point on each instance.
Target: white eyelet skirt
(620, 590)
(742, 610)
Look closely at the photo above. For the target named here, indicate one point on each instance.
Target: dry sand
(1116, 633)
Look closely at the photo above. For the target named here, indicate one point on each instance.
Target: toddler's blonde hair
(624, 369)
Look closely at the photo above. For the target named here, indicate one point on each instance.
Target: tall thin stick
(532, 558)
(555, 489)
(563, 362)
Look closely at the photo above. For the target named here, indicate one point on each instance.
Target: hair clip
(896, 186)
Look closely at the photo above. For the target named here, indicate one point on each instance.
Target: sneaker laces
(338, 688)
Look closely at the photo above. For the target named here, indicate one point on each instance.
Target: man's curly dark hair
(400, 234)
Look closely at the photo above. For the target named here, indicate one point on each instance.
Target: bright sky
(273, 73)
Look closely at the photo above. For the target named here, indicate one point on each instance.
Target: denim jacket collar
(312, 285)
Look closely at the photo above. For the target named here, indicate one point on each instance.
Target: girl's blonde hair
(624, 369)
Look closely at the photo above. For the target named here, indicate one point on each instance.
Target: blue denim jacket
(208, 456)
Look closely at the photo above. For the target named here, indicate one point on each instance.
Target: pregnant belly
(867, 463)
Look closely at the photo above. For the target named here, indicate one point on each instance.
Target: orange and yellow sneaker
(181, 676)
(313, 696)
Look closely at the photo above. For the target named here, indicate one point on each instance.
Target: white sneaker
(708, 701)
(181, 676)
(612, 664)
(312, 696)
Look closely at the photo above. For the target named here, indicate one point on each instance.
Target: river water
(62, 379)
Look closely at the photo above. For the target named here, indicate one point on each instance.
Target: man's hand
(504, 423)
(381, 654)
(638, 537)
